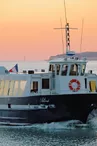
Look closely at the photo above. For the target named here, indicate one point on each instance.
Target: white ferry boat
(64, 93)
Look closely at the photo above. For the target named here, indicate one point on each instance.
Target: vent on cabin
(42, 70)
(30, 71)
(24, 71)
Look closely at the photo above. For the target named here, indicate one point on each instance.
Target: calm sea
(53, 134)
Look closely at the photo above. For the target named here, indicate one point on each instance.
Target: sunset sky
(26, 27)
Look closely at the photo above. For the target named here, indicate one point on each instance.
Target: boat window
(45, 83)
(64, 70)
(74, 70)
(92, 85)
(6, 88)
(86, 83)
(52, 68)
(11, 87)
(83, 69)
(22, 87)
(34, 86)
(57, 69)
(16, 88)
(1, 87)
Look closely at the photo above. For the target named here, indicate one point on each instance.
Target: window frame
(34, 86)
(63, 73)
(47, 86)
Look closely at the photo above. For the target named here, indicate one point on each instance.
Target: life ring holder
(71, 86)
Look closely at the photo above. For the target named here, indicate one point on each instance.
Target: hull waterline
(46, 109)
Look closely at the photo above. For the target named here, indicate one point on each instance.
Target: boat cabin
(65, 76)
(68, 67)
(70, 77)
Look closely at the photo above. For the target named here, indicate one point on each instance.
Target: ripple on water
(53, 134)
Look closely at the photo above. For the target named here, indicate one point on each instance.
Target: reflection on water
(46, 135)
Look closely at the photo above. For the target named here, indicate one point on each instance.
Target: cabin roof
(22, 76)
(68, 60)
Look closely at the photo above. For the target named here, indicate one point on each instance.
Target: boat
(66, 92)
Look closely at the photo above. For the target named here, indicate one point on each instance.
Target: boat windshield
(64, 70)
(77, 69)
(52, 68)
(74, 70)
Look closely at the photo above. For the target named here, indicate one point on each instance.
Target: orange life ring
(75, 89)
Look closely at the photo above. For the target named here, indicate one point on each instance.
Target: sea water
(53, 134)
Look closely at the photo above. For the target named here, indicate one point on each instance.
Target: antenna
(81, 35)
(62, 35)
(65, 12)
(67, 30)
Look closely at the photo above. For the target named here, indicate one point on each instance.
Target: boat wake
(92, 119)
(66, 125)
(56, 126)
(93, 123)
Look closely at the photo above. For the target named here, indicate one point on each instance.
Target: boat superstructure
(65, 76)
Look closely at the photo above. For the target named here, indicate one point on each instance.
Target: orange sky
(26, 27)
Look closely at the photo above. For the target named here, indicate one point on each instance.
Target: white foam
(58, 125)
(93, 122)
(72, 124)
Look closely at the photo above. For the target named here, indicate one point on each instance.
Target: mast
(67, 31)
(67, 37)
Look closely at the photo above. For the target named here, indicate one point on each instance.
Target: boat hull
(41, 109)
